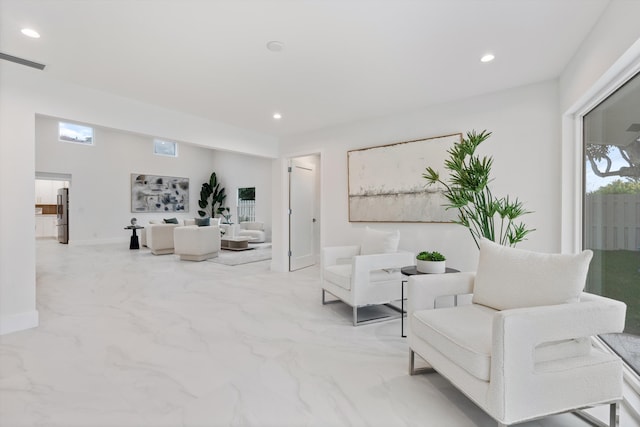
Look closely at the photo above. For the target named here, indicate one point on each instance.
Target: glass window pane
(165, 148)
(246, 204)
(611, 225)
(79, 134)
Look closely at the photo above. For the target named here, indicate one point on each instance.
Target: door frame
(314, 168)
(280, 230)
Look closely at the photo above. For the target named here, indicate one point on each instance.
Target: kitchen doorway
(47, 209)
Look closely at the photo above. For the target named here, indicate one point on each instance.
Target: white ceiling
(343, 60)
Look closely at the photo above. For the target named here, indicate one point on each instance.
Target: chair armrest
(424, 289)
(517, 332)
(364, 264)
(331, 254)
(593, 315)
(515, 376)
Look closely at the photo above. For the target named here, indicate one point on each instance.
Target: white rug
(261, 252)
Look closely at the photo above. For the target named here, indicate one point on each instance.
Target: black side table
(412, 270)
(134, 244)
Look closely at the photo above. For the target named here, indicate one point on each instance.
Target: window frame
(572, 215)
(162, 142)
(77, 125)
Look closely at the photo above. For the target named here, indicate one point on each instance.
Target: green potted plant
(430, 262)
(211, 195)
(467, 190)
(226, 214)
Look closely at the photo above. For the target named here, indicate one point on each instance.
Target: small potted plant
(430, 262)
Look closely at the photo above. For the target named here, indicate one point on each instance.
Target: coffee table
(235, 243)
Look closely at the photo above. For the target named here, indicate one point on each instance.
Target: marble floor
(127, 338)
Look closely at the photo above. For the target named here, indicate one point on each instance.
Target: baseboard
(18, 322)
(122, 240)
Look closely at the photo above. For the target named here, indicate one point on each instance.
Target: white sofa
(194, 243)
(162, 240)
(522, 349)
(253, 230)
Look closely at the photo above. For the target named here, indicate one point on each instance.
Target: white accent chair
(159, 238)
(254, 230)
(523, 348)
(194, 243)
(365, 275)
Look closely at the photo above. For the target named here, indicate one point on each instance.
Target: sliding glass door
(611, 197)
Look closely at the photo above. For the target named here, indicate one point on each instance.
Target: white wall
(100, 193)
(24, 93)
(525, 146)
(615, 32)
(237, 171)
(17, 243)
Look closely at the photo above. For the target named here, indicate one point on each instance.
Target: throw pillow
(203, 222)
(513, 278)
(171, 221)
(379, 242)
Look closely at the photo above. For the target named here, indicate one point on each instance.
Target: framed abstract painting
(386, 184)
(154, 193)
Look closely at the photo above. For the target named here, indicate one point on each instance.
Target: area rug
(261, 252)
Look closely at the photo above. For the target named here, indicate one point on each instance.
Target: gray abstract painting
(154, 193)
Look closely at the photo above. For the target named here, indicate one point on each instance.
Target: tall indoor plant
(467, 190)
(211, 193)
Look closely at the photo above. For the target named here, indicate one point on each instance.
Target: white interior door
(302, 198)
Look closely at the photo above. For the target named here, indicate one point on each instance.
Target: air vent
(22, 61)
(634, 128)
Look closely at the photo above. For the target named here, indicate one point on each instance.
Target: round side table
(133, 243)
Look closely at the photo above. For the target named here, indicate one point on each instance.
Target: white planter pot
(430, 266)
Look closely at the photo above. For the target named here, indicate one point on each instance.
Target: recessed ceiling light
(277, 116)
(488, 58)
(30, 33)
(275, 46)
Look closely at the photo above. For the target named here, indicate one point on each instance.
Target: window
(246, 204)
(165, 148)
(79, 134)
(611, 201)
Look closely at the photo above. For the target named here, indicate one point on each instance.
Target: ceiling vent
(635, 127)
(22, 61)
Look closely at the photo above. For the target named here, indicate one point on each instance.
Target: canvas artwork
(386, 184)
(154, 193)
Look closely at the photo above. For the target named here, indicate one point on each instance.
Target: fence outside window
(246, 210)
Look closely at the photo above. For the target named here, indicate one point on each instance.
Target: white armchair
(253, 230)
(159, 238)
(522, 349)
(361, 278)
(194, 243)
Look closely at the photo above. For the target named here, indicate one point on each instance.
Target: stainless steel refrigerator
(63, 215)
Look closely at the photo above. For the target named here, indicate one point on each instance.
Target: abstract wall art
(386, 184)
(154, 193)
